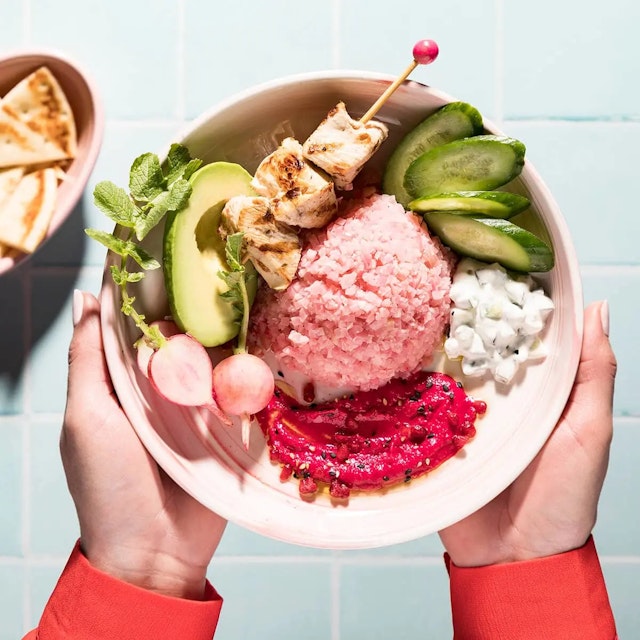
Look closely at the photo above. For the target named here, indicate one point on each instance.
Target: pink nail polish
(604, 316)
(77, 306)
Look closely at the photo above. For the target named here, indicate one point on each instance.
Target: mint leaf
(119, 276)
(236, 280)
(146, 180)
(173, 200)
(179, 194)
(144, 259)
(151, 216)
(179, 164)
(115, 203)
(154, 191)
(124, 248)
(117, 245)
(233, 295)
(233, 251)
(134, 276)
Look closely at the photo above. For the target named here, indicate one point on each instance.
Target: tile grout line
(332, 561)
(26, 22)
(336, 15)
(499, 62)
(336, 58)
(26, 443)
(609, 269)
(336, 571)
(180, 61)
(617, 560)
(336, 564)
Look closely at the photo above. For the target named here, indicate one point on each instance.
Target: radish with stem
(243, 384)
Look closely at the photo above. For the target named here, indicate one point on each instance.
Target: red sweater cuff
(88, 604)
(559, 597)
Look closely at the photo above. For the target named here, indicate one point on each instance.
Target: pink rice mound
(370, 301)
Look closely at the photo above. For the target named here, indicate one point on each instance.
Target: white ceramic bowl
(208, 460)
(89, 117)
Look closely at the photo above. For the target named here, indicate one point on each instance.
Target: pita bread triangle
(9, 181)
(26, 214)
(36, 122)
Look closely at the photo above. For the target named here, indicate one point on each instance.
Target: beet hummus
(370, 439)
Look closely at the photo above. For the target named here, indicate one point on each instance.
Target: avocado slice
(194, 253)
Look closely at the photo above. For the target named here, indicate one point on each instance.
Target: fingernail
(77, 306)
(604, 316)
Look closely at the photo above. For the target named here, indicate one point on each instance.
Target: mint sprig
(237, 295)
(154, 191)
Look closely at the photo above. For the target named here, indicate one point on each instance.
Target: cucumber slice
(480, 163)
(492, 240)
(452, 122)
(496, 204)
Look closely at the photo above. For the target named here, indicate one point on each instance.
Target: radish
(243, 384)
(181, 372)
(145, 350)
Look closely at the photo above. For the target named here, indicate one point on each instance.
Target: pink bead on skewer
(424, 52)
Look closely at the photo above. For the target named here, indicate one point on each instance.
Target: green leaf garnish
(233, 252)
(124, 248)
(146, 180)
(236, 280)
(115, 203)
(154, 191)
(173, 200)
(179, 164)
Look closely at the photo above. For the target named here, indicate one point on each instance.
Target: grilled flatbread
(26, 214)
(9, 181)
(36, 122)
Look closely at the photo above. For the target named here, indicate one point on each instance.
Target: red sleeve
(559, 597)
(88, 604)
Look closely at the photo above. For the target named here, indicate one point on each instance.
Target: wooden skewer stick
(424, 52)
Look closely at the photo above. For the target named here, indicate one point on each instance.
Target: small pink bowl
(89, 117)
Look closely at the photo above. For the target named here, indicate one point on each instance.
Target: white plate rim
(323, 532)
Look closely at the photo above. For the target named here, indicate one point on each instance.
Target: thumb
(88, 372)
(591, 400)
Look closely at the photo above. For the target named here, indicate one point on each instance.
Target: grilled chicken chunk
(301, 196)
(273, 247)
(342, 145)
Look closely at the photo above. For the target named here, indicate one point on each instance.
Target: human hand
(551, 508)
(136, 524)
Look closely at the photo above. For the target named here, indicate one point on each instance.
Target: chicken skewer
(296, 183)
(342, 145)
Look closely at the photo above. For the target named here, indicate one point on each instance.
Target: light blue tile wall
(217, 63)
(561, 79)
(11, 497)
(373, 37)
(52, 523)
(255, 592)
(419, 606)
(12, 585)
(131, 47)
(564, 60)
